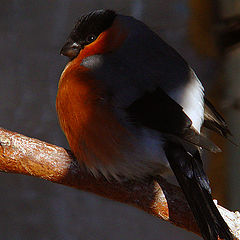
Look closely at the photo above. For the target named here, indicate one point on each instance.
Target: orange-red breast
(130, 105)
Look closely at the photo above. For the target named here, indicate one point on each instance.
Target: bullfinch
(130, 107)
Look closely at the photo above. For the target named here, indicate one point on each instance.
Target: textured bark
(23, 155)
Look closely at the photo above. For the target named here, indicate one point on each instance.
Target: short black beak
(71, 49)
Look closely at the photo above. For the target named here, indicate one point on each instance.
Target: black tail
(191, 177)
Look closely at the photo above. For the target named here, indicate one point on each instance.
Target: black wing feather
(156, 110)
(214, 121)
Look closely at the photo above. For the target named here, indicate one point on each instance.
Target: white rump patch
(190, 97)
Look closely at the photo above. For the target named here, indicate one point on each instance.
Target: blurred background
(205, 32)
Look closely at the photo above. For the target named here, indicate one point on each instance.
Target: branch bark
(24, 155)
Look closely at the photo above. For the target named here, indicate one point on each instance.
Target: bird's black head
(86, 31)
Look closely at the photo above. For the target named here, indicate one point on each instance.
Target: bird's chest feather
(94, 134)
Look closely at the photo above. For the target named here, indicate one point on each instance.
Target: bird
(130, 106)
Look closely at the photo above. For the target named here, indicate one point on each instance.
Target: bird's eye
(90, 38)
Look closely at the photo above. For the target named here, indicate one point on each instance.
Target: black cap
(86, 30)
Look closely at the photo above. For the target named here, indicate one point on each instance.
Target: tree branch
(24, 155)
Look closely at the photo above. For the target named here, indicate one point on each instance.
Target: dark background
(31, 35)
